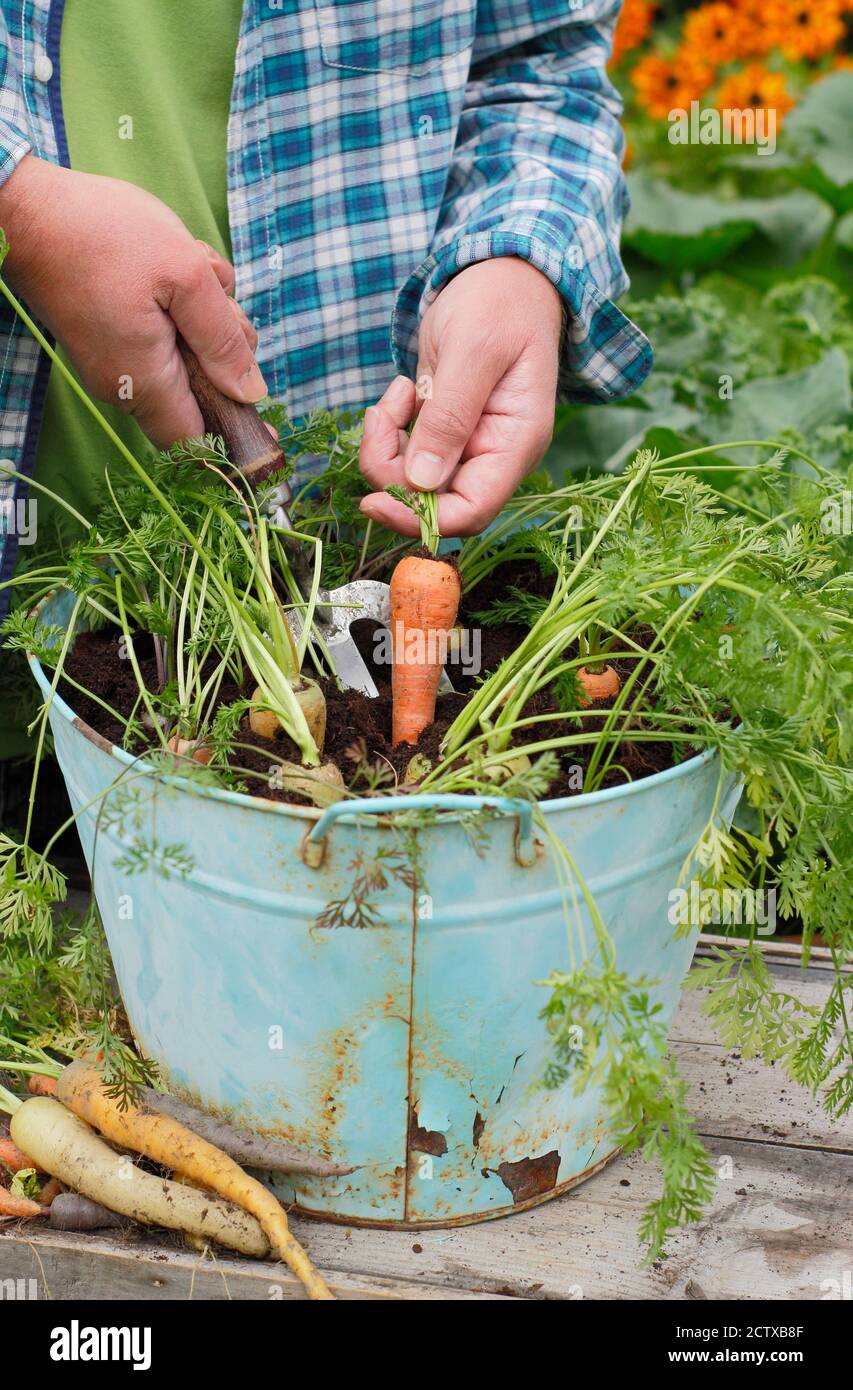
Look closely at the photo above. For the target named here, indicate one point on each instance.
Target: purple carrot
(249, 1150)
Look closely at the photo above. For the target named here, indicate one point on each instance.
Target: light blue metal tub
(411, 1047)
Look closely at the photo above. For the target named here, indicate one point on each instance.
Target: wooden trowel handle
(251, 448)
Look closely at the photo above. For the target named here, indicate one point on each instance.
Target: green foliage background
(741, 268)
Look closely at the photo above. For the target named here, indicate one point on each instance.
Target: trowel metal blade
(351, 667)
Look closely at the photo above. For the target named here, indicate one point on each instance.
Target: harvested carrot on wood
(70, 1211)
(12, 1157)
(51, 1190)
(41, 1085)
(18, 1206)
(165, 1141)
(63, 1144)
(249, 1150)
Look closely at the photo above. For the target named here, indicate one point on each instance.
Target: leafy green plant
(729, 363)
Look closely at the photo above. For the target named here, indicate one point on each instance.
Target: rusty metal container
(397, 1030)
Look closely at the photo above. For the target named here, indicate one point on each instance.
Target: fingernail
(253, 388)
(371, 421)
(425, 471)
(245, 323)
(399, 387)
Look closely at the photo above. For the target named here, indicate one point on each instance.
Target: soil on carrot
(358, 733)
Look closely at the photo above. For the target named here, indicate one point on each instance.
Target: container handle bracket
(313, 848)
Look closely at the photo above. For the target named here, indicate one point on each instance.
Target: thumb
(448, 417)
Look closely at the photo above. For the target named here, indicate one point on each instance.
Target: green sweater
(146, 93)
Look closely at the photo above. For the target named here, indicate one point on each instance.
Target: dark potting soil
(98, 662)
(358, 735)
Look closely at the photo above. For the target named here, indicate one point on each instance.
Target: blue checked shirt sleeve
(537, 173)
(15, 139)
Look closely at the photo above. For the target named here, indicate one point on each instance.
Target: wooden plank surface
(739, 1099)
(746, 1099)
(91, 1267)
(780, 1225)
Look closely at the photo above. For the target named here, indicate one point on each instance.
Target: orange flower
(662, 84)
(632, 27)
(806, 28)
(759, 30)
(717, 33)
(755, 88)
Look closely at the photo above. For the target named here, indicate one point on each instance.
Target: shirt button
(42, 68)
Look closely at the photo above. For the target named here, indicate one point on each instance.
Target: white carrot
(62, 1144)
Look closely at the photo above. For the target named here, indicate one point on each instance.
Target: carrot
(71, 1212)
(18, 1206)
(190, 748)
(425, 595)
(41, 1085)
(64, 1145)
(597, 685)
(11, 1155)
(165, 1141)
(50, 1191)
(249, 1150)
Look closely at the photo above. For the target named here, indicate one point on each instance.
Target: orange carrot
(597, 685)
(190, 748)
(18, 1206)
(52, 1188)
(41, 1085)
(425, 596)
(11, 1155)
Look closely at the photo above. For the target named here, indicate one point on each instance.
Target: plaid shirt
(377, 147)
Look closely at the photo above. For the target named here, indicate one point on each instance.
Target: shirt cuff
(603, 356)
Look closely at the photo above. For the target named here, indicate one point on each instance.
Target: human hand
(115, 275)
(484, 403)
